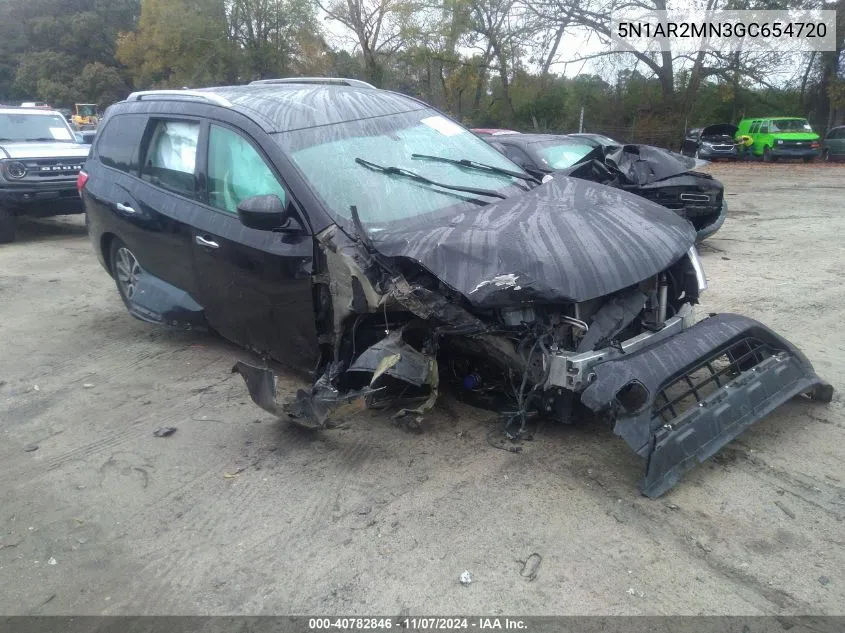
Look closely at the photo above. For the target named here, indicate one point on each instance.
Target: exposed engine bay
(393, 333)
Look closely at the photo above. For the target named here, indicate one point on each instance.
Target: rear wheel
(8, 223)
(767, 155)
(125, 269)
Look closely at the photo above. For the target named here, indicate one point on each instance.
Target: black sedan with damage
(657, 174)
(370, 240)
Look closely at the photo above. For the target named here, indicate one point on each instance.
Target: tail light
(81, 179)
(814, 144)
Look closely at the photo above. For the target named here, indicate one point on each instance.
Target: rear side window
(754, 128)
(170, 159)
(237, 171)
(764, 127)
(119, 142)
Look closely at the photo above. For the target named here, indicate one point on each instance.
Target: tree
(380, 28)
(178, 43)
(271, 34)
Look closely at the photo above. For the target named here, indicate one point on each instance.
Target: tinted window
(754, 128)
(171, 156)
(120, 140)
(237, 171)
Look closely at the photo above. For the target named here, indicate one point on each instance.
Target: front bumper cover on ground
(676, 395)
(679, 401)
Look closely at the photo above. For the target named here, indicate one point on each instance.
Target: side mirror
(267, 213)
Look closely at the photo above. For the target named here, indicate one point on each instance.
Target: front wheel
(826, 155)
(126, 271)
(8, 224)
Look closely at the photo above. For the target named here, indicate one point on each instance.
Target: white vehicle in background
(40, 159)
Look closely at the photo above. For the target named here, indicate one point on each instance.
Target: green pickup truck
(781, 137)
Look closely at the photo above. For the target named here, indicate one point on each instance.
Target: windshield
(562, 153)
(791, 125)
(326, 157)
(33, 127)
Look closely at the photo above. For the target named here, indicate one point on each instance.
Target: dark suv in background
(368, 239)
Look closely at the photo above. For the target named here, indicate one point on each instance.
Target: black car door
(142, 189)
(255, 285)
(168, 196)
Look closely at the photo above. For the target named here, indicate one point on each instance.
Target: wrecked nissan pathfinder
(366, 238)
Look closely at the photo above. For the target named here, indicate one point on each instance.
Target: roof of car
(27, 110)
(291, 106)
(528, 139)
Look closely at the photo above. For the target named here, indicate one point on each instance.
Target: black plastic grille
(687, 391)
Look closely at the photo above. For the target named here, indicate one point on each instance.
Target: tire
(826, 156)
(125, 269)
(8, 223)
(767, 155)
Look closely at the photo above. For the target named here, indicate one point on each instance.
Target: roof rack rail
(336, 81)
(187, 95)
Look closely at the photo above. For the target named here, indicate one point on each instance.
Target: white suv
(40, 159)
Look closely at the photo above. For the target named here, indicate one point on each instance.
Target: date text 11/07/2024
(417, 624)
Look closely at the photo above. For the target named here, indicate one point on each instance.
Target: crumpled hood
(566, 240)
(644, 164)
(43, 150)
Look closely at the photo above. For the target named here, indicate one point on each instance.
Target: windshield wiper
(465, 162)
(398, 171)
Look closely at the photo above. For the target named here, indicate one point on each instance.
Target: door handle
(124, 208)
(207, 243)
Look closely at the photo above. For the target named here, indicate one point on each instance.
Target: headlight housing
(698, 267)
(779, 142)
(14, 170)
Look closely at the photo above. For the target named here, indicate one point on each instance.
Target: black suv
(367, 238)
(40, 159)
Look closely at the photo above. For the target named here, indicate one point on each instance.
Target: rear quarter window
(119, 142)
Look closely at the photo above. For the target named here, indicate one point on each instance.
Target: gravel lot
(238, 513)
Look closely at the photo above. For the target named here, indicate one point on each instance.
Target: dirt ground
(240, 514)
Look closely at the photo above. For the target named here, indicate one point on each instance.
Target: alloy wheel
(128, 271)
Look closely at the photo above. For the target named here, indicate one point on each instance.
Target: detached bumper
(680, 400)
